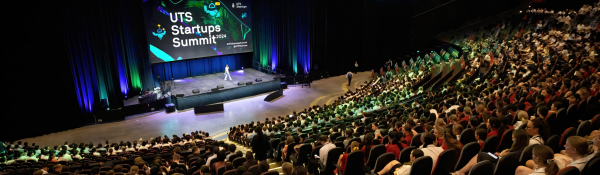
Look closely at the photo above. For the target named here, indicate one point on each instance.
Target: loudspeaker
(220, 86)
(248, 83)
(258, 79)
(214, 90)
(241, 83)
(178, 95)
(195, 91)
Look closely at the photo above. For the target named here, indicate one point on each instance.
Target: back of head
(545, 156)
(264, 166)
(287, 168)
(249, 156)
(580, 145)
(300, 170)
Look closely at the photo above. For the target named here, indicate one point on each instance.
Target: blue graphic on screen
(211, 10)
(161, 54)
(243, 15)
(159, 32)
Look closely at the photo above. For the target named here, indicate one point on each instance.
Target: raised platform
(231, 90)
(205, 83)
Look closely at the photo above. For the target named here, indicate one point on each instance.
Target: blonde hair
(467, 110)
(355, 146)
(290, 140)
(134, 170)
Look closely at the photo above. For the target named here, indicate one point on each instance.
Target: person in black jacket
(260, 145)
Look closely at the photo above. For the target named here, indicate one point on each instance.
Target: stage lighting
(242, 68)
(417, 51)
(520, 11)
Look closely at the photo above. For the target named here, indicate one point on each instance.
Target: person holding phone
(520, 141)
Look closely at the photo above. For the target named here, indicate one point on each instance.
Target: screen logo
(159, 32)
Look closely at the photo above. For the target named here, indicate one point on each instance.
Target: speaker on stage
(214, 90)
(220, 86)
(195, 91)
(258, 79)
(178, 95)
(241, 83)
(248, 83)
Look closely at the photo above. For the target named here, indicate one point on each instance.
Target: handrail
(433, 8)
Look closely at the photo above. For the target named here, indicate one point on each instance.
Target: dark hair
(398, 138)
(474, 121)
(482, 133)
(543, 110)
(221, 155)
(542, 126)
(368, 141)
(249, 156)
(428, 139)
(264, 166)
(521, 140)
(300, 170)
(496, 124)
(204, 169)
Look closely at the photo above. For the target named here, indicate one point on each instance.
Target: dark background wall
(39, 81)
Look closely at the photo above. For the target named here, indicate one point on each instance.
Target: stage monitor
(188, 29)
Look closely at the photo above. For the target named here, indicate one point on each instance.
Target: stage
(205, 83)
(231, 90)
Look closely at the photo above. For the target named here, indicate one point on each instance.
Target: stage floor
(239, 111)
(207, 82)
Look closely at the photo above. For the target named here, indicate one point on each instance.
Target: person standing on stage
(227, 72)
(349, 77)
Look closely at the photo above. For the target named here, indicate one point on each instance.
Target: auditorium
(302, 87)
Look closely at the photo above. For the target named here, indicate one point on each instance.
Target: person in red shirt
(366, 145)
(408, 134)
(495, 126)
(546, 95)
(344, 157)
(480, 136)
(397, 143)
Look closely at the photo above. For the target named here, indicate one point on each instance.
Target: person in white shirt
(429, 149)
(76, 155)
(543, 157)
(538, 131)
(327, 145)
(577, 147)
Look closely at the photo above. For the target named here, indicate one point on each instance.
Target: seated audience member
(543, 157)
(520, 141)
(287, 168)
(249, 160)
(480, 136)
(429, 149)
(220, 162)
(398, 168)
(538, 130)
(300, 170)
(344, 157)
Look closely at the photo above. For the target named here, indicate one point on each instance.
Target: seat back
(491, 143)
(526, 154)
(376, 142)
(584, 129)
(596, 122)
(304, 154)
(482, 168)
(416, 140)
(272, 172)
(238, 161)
(254, 169)
(445, 162)
(553, 142)
(566, 134)
(468, 151)
(383, 160)
(332, 159)
(340, 139)
(421, 165)
(560, 122)
(221, 170)
(571, 170)
(506, 140)
(339, 144)
(375, 152)
(360, 130)
(418, 128)
(467, 136)
(593, 165)
(507, 164)
(355, 163)
(405, 154)
(231, 172)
